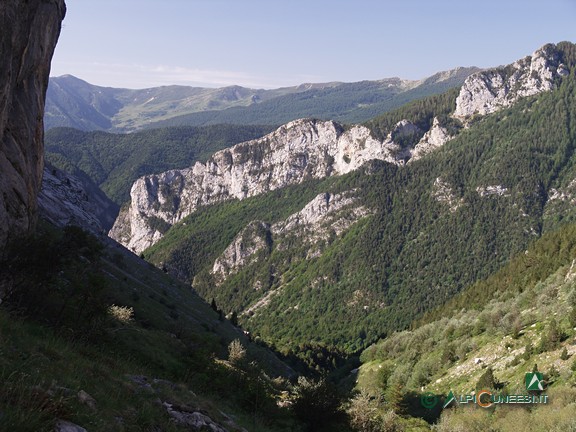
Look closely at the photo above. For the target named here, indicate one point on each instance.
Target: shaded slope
(96, 336)
(438, 225)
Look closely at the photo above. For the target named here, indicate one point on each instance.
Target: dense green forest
(115, 161)
(490, 335)
(437, 225)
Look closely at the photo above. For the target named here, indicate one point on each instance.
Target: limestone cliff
(324, 217)
(490, 90)
(300, 150)
(436, 137)
(67, 200)
(311, 149)
(28, 37)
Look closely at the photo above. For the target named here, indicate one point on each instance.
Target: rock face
(436, 137)
(298, 151)
(309, 149)
(443, 193)
(255, 237)
(488, 91)
(29, 33)
(325, 216)
(66, 200)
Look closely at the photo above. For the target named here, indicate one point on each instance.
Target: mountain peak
(489, 90)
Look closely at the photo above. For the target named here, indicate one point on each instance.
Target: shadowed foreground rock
(28, 36)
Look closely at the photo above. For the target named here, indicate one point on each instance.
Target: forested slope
(434, 227)
(115, 161)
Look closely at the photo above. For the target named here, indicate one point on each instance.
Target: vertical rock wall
(29, 30)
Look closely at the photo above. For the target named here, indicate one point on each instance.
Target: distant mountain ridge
(72, 102)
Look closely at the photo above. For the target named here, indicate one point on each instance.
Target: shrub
(123, 314)
(487, 381)
(364, 413)
(236, 352)
(318, 405)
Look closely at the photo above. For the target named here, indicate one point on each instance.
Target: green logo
(449, 399)
(534, 381)
(429, 400)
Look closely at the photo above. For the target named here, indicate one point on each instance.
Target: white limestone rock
(566, 194)
(312, 149)
(490, 90)
(322, 217)
(443, 193)
(241, 251)
(435, 138)
(298, 151)
(492, 190)
(325, 213)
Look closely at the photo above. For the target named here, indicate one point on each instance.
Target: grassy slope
(174, 335)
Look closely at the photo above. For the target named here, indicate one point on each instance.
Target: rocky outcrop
(194, 420)
(298, 151)
(495, 190)
(255, 237)
(66, 426)
(29, 33)
(565, 194)
(325, 216)
(490, 90)
(436, 137)
(442, 192)
(309, 149)
(66, 200)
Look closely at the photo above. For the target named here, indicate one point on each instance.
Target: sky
(273, 43)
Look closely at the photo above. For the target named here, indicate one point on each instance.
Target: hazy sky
(272, 43)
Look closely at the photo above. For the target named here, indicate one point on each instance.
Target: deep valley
(371, 256)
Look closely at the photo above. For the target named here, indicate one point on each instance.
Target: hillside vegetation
(74, 103)
(115, 161)
(488, 337)
(435, 226)
(93, 335)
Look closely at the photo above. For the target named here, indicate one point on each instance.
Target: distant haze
(270, 44)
